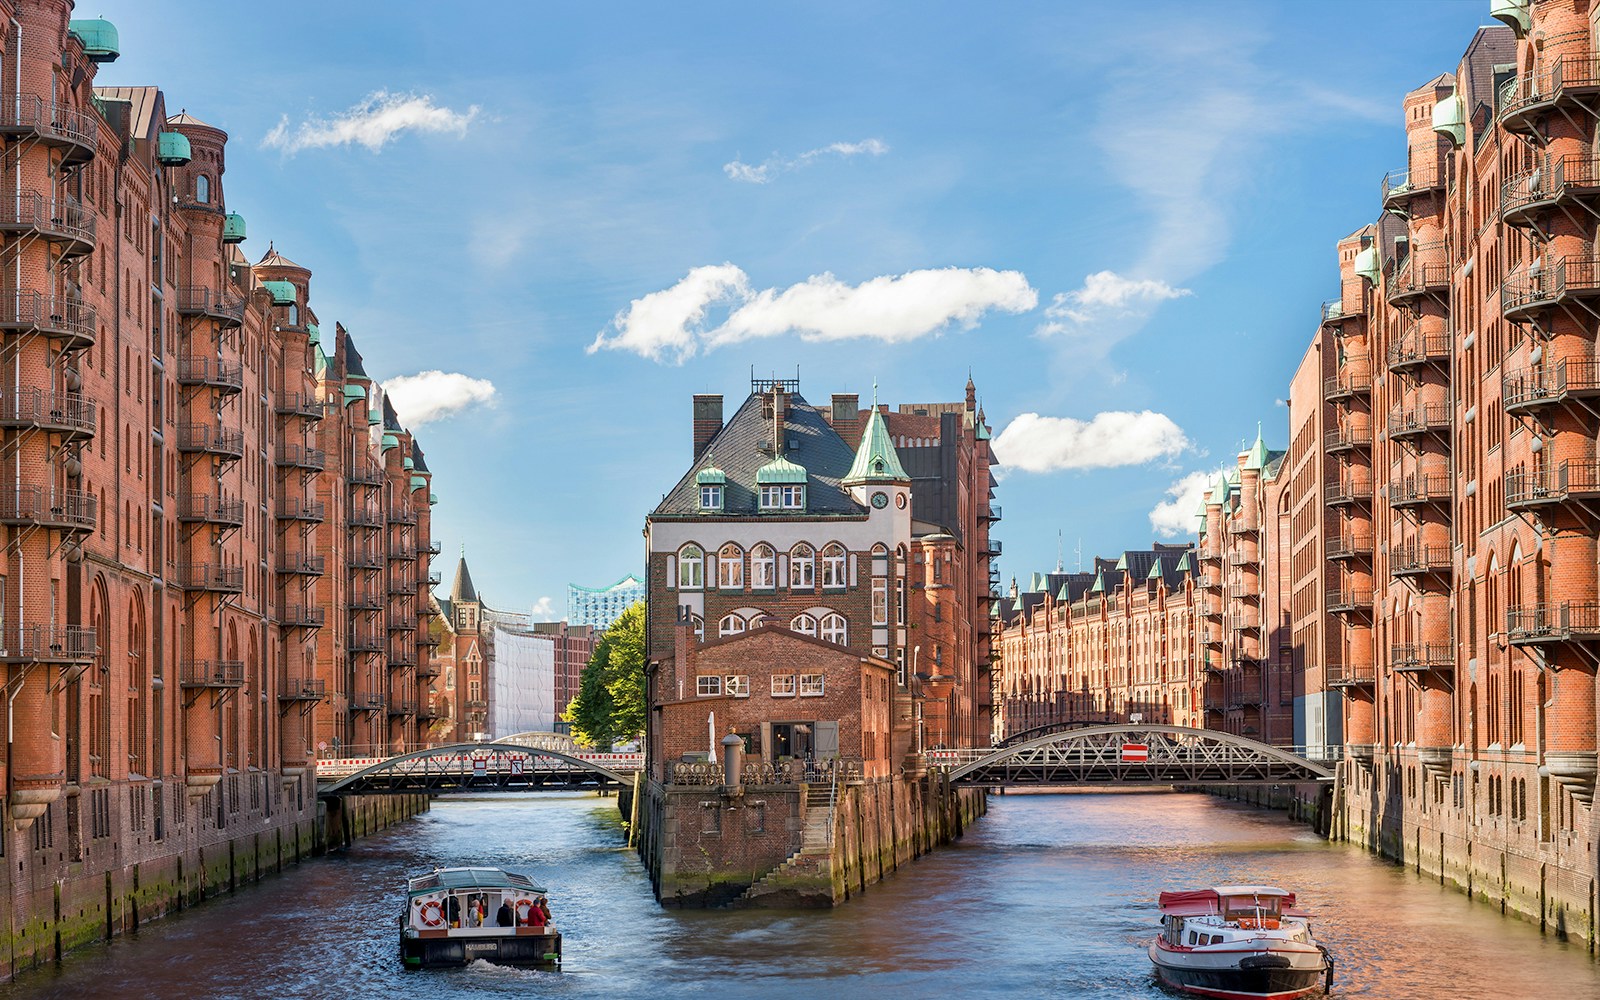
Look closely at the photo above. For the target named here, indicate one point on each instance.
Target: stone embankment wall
(776, 845)
(97, 903)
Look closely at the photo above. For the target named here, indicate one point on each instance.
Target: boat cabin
(1229, 913)
(460, 902)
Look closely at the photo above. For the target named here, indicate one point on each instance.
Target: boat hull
(1254, 978)
(527, 950)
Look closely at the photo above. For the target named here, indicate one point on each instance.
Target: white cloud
(671, 324)
(1106, 293)
(544, 610)
(1032, 443)
(372, 123)
(774, 165)
(1175, 518)
(434, 395)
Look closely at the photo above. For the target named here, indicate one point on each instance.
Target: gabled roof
(391, 420)
(876, 459)
(142, 101)
(462, 589)
(275, 259)
(353, 368)
(744, 446)
(1258, 455)
(416, 453)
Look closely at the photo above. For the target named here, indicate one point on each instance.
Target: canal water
(1048, 896)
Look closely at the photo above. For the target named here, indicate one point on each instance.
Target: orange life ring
(434, 918)
(524, 908)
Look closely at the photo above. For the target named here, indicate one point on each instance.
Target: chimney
(846, 415)
(707, 421)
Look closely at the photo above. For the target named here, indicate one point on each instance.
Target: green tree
(610, 702)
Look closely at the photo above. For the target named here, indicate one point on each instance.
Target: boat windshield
(1237, 908)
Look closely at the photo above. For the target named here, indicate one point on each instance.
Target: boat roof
(1200, 902)
(1250, 890)
(471, 878)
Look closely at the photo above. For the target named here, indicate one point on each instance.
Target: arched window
(763, 567)
(699, 626)
(804, 624)
(833, 628)
(802, 567)
(691, 568)
(833, 565)
(730, 625)
(294, 314)
(730, 567)
(202, 189)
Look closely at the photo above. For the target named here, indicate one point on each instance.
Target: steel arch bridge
(469, 767)
(1112, 755)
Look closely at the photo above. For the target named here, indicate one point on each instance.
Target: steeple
(876, 459)
(1258, 456)
(461, 589)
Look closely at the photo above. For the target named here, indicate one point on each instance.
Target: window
(708, 686)
(880, 601)
(785, 497)
(294, 314)
(833, 565)
(730, 625)
(691, 568)
(783, 685)
(737, 685)
(833, 628)
(763, 567)
(202, 189)
(802, 567)
(804, 624)
(811, 685)
(699, 626)
(730, 567)
(900, 601)
(711, 498)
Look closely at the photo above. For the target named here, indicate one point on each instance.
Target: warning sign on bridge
(1135, 753)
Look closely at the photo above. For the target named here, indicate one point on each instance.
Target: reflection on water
(1048, 896)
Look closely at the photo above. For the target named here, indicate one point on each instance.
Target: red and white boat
(1239, 942)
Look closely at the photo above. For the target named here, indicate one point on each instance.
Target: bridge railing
(330, 768)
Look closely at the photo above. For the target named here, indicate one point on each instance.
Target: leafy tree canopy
(610, 702)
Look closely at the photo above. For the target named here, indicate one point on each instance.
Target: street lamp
(916, 694)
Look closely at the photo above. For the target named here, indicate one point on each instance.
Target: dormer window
(781, 485)
(710, 497)
(712, 483)
(783, 497)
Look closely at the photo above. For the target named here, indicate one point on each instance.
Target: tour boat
(1239, 942)
(458, 915)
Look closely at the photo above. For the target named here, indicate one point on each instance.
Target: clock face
(900, 501)
(880, 500)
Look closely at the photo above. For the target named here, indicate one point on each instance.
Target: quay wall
(118, 883)
(704, 848)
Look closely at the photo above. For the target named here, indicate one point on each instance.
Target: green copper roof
(1257, 458)
(433, 498)
(1233, 476)
(1099, 583)
(710, 476)
(172, 149)
(233, 228)
(419, 483)
(353, 393)
(1366, 264)
(283, 292)
(407, 464)
(1513, 12)
(1155, 570)
(875, 458)
(780, 470)
(321, 362)
(1184, 565)
(1036, 585)
(1450, 118)
(1219, 494)
(1063, 594)
(314, 334)
(389, 441)
(1122, 563)
(99, 38)
(374, 419)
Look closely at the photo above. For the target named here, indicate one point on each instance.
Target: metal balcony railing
(1346, 438)
(1341, 674)
(402, 623)
(1569, 378)
(209, 509)
(365, 517)
(1570, 480)
(306, 616)
(402, 708)
(1567, 621)
(1527, 290)
(362, 641)
(212, 577)
(1424, 419)
(301, 509)
(402, 515)
(1546, 186)
(1424, 269)
(1562, 79)
(62, 221)
(366, 702)
(52, 124)
(1414, 490)
(429, 548)
(364, 473)
(210, 439)
(1341, 600)
(62, 412)
(211, 372)
(303, 566)
(48, 507)
(307, 689)
(1398, 186)
(211, 673)
(1421, 656)
(1415, 347)
(31, 642)
(366, 600)
(1347, 491)
(300, 456)
(210, 303)
(65, 317)
(1415, 560)
(296, 404)
(364, 560)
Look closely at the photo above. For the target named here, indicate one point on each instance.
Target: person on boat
(505, 916)
(538, 913)
(453, 910)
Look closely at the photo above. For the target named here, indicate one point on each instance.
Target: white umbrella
(711, 725)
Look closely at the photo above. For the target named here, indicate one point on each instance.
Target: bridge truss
(464, 767)
(1124, 755)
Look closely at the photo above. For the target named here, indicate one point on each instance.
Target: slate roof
(352, 359)
(738, 451)
(142, 102)
(462, 589)
(416, 453)
(391, 420)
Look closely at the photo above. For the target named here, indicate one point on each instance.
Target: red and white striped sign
(1135, 753)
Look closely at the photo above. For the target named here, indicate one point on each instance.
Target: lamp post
(916, 694)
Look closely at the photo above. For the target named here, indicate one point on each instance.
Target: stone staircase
(817, 837)
(806, 877)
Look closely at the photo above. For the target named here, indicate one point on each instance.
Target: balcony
(1421, 657)
(303, 566)
(203, 508)
(401, 659)
(1569, 379)
(427, 713)
(1346, 675)
(302, 616)
(1399, 187)
(1239, 557)
(362, 641)
(426, 640)
(211, 673)
(30, 643)
(61, 222)
(1417, 491)
(992, 548)
(303, 405)
(309, 690)
(402, 553)
(992, 514)
(366, 600)
(1247, 623)
(65, 413)
(62, 317)
(212, 373)
(213, 578)
(75, 133)
(1415, 347)
(209, 303)
(1419, 560)
(208, 439)
(1526, 292)
(402, 515)
(364, 560)
(1542, 624)
(1347, 492)
(402, 623)
(433, 578)
(366, 474)
(429, 549)
(1349, 547)
(428, 670)
(1527, 196)
(1347, 439)
(366, 702)
(365, 517)
(1349, 601)
(1333, 312)
(300, 456)
(399, 709)
(1524, 99)
(1241, 526)
(1527, 488)
(400, 587)
(301, 509)
(1428, 418)
(47, 507)
(1424, 271)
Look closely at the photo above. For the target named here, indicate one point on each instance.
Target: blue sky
(1120, 217)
